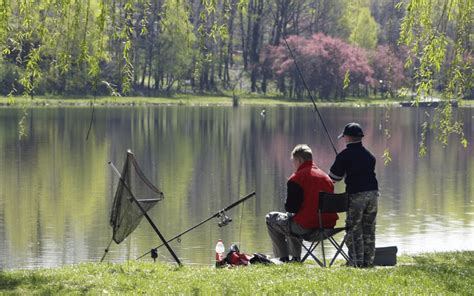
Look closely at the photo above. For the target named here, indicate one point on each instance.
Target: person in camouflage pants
(361, 224)
(356, 165)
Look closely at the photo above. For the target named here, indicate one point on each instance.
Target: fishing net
(126, 214)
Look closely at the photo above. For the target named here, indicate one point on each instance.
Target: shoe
(295, 260)
(352, 264)
(284, 259)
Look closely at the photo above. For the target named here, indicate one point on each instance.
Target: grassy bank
(442, 273)
(199, 100)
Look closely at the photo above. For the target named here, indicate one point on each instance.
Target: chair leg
(324, 255)
(317, 260)
(323, 263)
(339, 250)
(344, 254)
(309, 252)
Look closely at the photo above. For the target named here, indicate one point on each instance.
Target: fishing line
(240, 227)
(242, 155)
(298, 70)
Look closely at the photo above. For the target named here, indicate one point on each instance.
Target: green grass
(201, 100)
(441, 273)
(190, 100)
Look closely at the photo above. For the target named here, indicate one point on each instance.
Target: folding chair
(328, 203)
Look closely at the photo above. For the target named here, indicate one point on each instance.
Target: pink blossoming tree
(329, 65)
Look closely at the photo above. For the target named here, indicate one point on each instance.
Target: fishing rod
(298, 70)
(224, 220)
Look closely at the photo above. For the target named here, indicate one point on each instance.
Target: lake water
(56, 188)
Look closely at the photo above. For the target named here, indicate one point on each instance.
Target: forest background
(162, 47)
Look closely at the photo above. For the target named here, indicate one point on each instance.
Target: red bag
(236, 258)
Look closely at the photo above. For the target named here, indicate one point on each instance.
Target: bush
(9, 76)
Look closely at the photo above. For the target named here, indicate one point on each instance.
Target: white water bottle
(220, 249)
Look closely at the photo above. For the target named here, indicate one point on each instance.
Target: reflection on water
(56, 189)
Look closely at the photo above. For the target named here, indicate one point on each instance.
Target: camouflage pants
(361, 222)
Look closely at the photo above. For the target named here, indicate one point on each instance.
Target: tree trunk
(228, 54)
(255, 44)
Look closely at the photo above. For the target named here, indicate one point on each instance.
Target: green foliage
(4, 20)
(69, 46)
(445, 124)
(347, 80)
(32, 72)
(387, 158)
(9, 76)
(426, 31)
(50, 42)
(422, 146)
(242, 5)
(344, 13)
(125, 36)
(364, 32)
(211, 29)
(176, 42)
(22, 123)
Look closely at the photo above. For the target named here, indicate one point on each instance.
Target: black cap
(352, 129)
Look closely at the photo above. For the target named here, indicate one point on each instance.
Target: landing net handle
(133, 199)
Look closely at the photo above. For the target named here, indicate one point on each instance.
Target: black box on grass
(386, 256)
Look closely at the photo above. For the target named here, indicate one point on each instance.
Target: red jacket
(303, 196)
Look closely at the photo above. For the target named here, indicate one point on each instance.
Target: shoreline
(403, 259)
(196, 100)
(426, 273)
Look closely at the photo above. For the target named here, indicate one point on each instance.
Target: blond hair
(303, 152)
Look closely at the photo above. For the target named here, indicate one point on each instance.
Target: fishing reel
(154, 254)
(223, 219)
